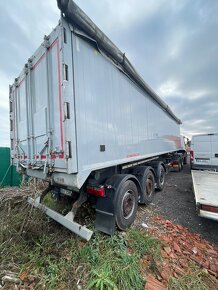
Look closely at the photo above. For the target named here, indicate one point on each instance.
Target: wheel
(148, 187)
(126, 204)
(160, 177)
(185, 160)
(180, 164)
(179, 168)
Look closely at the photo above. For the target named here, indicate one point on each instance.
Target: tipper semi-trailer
(83, 120)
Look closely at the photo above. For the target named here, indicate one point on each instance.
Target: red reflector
(191, 155)
(97, 191)
(209, 208)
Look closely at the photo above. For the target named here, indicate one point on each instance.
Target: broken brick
(154, 284)
(176, 247)
(178, 270)
(183, 263)
(167, 250)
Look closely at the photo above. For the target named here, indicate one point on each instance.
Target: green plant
(194, 280)
(144, 244)
(114, 266)
(101, 281)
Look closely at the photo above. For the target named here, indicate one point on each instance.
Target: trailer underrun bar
(66, 221)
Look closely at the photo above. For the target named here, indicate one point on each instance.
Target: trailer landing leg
(66, 221)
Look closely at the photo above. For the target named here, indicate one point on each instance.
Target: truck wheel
(148, 186)
(182, 162)
(179, 165)
(160, 177)
(126, 204)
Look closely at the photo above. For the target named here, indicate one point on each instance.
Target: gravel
(176, 203)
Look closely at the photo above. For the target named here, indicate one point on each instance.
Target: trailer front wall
(112, 111)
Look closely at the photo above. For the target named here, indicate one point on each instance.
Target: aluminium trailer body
(80, 117)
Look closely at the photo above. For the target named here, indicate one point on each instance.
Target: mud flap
(105, 218)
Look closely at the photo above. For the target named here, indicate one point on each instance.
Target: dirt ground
(177, 204)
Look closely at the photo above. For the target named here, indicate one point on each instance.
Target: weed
(62, 205)
(114, 267)
(144, 244)
(58, 257)
(193, 280)
(101, 281)
(32, 243)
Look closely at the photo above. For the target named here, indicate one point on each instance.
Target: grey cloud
(198, 115)
(23, 25)
(179, 44)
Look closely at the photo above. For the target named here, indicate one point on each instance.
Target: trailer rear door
(47, 105)
(38, 115)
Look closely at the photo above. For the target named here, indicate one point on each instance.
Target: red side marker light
(209, 208)
(192, 155)
(96, 191)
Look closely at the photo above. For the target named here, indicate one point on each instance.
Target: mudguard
(105, 216)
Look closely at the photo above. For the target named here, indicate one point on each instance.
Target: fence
(8, 173)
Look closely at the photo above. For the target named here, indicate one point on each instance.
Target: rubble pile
(181, 249)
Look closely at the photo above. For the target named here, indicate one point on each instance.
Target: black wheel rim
(128, 204)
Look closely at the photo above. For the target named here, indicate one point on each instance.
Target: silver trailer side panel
(111, 111)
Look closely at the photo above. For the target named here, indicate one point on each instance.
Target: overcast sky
(172, 43)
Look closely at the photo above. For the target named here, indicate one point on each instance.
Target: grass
(48, 256)
(196, 279)
(32, 245)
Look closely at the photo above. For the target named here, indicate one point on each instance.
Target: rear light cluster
(96, 190)
(191, 155)
(209, 208)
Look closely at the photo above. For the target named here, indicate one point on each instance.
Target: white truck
(85, 121)
(204, 170)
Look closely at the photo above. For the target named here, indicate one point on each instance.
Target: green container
(8, 173)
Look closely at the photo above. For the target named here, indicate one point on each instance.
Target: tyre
(126, 204)
(179, 165)
(148, 186)
(182, 163)
(160, 177)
